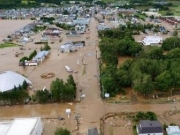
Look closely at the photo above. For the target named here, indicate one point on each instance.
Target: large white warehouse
(22, 126)
(9, 79)
(152, 40)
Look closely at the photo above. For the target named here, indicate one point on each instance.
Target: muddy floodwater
(44, 111)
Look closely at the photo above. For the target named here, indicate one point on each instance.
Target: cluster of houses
(75, 16)
(22, 35)
(147, 127)
(28, 13)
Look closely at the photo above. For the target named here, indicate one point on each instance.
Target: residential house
(147, 127)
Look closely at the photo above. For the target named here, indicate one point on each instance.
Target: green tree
(171, 43)
(43, 96)
(57, 88)
(123, 78)
(25, 85)
(155, 53)
(71, 81)
(34, 53)
(61, 131)
(173, 54)
(144, 85)
(163, 81)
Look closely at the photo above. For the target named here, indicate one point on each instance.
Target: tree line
(18, 95)
(151, 68)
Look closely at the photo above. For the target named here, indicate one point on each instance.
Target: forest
(151, 67)
(29, 3)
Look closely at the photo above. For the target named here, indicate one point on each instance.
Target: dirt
(122, 59)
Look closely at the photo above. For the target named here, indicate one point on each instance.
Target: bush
(23, 59)
(46, 47)
(145, 116)
(165, 126)
(39, 42)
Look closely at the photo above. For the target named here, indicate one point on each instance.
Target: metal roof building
(152, 40)
(9, 79)
(22, 126)
(40, 56)
(173, 130)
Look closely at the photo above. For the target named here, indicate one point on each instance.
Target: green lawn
(26, 1)
(175, 10)
(4, 45)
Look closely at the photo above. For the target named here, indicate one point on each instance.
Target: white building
(173, 130)
(152, 40)
(9, 79)
(22, 126)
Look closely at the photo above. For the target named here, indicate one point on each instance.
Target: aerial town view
(90, 67)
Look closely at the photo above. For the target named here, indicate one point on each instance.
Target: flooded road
(44, 111)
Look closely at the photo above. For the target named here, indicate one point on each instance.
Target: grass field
(4, 45)
(175, 10)
(26, 1)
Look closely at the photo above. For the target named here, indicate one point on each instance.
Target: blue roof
(41, 54)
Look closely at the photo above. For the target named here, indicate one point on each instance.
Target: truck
(68, 69)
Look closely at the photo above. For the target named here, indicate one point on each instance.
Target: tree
(144, 85)
(25, 85)
(173, 54)
(43, 96)
(57, 88)
(171, 43)
(123, 78)
(155, 53)
(61, 131)
(61, 91)
(71, 81)
(163, 81)
(34, 53)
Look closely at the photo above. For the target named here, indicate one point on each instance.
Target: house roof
(148, 40)
(147, 126)
(173, 130)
